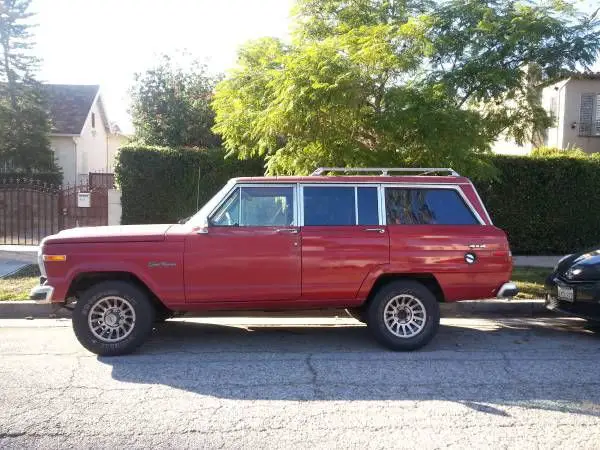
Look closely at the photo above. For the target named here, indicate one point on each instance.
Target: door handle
(375, 230)
(287, 230)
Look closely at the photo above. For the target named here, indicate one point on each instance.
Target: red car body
(200, 267)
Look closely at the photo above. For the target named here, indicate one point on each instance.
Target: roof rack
(383, 171)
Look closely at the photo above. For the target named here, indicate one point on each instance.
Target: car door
(342, 240)
(250, 250)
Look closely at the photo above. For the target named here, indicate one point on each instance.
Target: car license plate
(565, 294)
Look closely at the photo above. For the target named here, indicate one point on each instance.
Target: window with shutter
(586, 114)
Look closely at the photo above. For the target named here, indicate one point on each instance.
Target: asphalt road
(511, 383)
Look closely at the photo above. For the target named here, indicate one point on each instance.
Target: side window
(329, 205)
(368, 210)
(406, 206)
(257, 207)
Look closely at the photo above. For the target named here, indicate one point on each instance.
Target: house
(574, 103)
(82, 138)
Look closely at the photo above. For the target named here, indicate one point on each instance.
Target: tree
(391, 82)
(171, 106)
(24, 122)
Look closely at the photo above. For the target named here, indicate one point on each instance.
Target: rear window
(409, 206)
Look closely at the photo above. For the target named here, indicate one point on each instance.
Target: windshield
(201, 217)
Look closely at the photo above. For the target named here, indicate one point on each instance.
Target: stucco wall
(570, 134)
(114, 142)
(553, 101)
(92, 146)
(66, 157)
(509, 147)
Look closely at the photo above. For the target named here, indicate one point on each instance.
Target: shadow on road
(538, 363)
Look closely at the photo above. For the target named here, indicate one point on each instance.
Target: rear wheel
(403, 315)
(113, 318)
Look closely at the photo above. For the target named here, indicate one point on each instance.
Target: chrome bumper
(42, 293)
(507, 290)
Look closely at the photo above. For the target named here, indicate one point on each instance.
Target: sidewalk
(536, 261)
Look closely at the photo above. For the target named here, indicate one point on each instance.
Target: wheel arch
(85, 280)
(427, 279)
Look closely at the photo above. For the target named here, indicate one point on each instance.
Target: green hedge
(545, 205)
(160, 185)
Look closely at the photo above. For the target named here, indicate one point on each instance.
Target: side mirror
(203, 228)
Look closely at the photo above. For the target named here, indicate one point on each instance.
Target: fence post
(114, 207)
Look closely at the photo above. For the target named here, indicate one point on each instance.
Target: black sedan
(573, 287)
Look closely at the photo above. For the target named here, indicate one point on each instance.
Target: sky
(106, 42)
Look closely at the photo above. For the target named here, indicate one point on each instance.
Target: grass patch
(18, 285)
(530, 281)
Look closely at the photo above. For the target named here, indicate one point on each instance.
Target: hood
(121, 233)
(584, 266)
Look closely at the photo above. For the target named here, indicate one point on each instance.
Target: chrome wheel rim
(404, 316)
(111, 319)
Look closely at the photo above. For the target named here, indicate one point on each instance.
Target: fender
(389, 269)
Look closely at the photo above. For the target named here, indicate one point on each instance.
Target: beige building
(82, 139)
(575, 105)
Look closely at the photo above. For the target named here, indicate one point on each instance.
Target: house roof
(586, 76)
(69, 106)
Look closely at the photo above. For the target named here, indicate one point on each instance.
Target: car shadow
(545, 364)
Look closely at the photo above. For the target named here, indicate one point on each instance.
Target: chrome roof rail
(383, 171)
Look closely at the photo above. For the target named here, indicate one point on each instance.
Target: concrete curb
(475, 308)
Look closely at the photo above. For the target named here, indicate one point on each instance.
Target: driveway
(236, 383)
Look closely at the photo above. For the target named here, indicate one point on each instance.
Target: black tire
(163, 314)
(358, 313)
(428, 303)
(132, 298)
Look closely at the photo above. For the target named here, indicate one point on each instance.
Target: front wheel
(113, 318)
(403, 315)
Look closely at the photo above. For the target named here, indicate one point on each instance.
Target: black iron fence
(31, 210)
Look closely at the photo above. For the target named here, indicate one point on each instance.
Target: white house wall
(557, 94)
(92, 147)
(114, 142)
(66, 157)
(570, 129)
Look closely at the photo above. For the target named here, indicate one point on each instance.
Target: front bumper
(42, 293)
(586, 299)
(507, 290)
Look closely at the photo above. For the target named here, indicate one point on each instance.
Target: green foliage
(380, 82)
(160, 184)
(24, 121)
(171, 106)
(555, 152)
(52, 178)
(546, 205)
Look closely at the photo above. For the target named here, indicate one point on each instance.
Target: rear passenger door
(435, 229)
(343, 239)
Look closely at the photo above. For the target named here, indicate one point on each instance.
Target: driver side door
(251, 251)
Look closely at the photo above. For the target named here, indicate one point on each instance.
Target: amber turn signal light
(54, 258)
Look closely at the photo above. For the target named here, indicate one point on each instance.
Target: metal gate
(31, 210)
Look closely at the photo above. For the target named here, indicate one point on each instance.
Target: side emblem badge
(470, 258)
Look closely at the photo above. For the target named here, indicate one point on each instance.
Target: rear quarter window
(417, 206)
